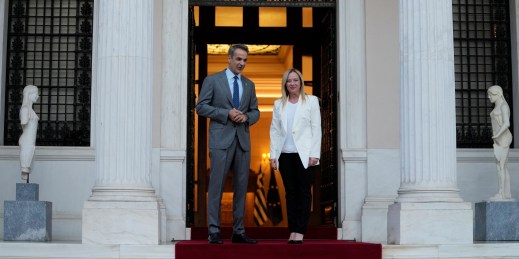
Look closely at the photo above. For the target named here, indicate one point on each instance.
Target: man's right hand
(237, 116)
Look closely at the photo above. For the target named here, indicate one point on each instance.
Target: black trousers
(298, 182)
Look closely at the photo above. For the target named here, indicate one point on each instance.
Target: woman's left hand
(312, 161)
(274, 164)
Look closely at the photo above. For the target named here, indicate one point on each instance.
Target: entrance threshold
(273, 233)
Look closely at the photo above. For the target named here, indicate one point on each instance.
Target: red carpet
(274, 249)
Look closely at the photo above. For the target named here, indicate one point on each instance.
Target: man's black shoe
(214, 238)
(242, 239)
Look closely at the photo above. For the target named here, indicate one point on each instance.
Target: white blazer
(306, 129)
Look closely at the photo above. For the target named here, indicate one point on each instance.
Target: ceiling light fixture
(221, 49)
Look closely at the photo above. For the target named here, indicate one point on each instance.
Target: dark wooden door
(326, 187)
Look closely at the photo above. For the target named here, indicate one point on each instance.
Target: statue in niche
(502, 137)
(29, 122)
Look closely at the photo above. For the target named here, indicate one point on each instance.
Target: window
(272, 16)
(50, 46)
(482, 59)
(228, 16)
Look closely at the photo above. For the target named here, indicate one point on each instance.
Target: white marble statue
(29, 122)
(502, 137)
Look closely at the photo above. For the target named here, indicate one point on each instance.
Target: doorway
(299, 34)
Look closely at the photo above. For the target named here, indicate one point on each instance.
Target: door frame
(202, 35)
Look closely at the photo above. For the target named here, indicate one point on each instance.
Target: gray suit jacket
(215, 102)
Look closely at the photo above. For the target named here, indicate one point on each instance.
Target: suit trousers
(221, 161)
(298, 182)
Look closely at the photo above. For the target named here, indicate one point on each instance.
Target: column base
(430, 223)
(374, 218)
(121, 222)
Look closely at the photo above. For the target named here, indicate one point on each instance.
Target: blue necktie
(236, 93)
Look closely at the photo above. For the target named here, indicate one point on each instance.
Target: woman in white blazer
(295, 147)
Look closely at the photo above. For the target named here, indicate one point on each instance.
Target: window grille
(50, 46)
(482, 59)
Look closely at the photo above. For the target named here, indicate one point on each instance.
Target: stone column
(123, 208)
(429, 209)
(175, 57)
(352, 78)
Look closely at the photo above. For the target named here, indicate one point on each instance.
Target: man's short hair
(238, 46)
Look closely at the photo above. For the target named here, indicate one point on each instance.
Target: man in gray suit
(229, 100)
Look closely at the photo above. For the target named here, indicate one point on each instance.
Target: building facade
(397, 160)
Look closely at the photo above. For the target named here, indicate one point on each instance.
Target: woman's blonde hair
(284, 91)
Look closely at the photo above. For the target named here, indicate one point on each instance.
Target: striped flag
(260, 207)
